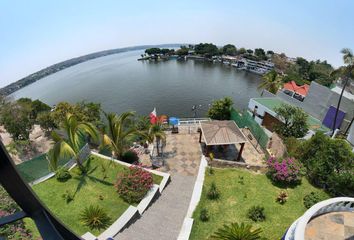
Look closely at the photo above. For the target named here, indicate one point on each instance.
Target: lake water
(121, 83)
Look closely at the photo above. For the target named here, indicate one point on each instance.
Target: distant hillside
(68, 63)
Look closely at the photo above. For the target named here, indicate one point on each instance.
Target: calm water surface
(121, 83)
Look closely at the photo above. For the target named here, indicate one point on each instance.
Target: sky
(38, 33)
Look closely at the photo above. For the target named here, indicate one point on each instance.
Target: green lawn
(237, 198)
(87, 191)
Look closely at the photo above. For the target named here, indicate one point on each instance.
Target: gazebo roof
(221, 133)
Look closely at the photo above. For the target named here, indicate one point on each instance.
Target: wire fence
(245, 119)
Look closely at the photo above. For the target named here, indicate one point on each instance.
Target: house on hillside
(296, 91)
(263, 111)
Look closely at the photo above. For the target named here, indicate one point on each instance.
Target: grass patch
(236, 197)
(94, 188)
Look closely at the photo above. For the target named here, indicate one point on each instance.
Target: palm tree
(272, 81)
(236, 231)
(69, 145)
(156, 132)
(119, 130)
(345, 73)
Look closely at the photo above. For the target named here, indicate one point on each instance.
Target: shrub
(312, 198)
(256, 213)
(132, 185)
(62, 174)
(221, 109)
(204, 215)
(213, 192)
(282, 197)
(68, 196)
(95, 217)
(130, 156)
(329, 164)
(236, 231)
(285, 170)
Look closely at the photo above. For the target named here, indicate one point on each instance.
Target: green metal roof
(272, 103)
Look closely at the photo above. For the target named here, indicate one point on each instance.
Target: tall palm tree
(119, 130)
(69, 145)
(272, 81)
(345, 73)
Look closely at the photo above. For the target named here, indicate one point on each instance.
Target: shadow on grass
(83, 178)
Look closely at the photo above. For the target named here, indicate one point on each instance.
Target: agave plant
(236, 231)
(95, 217)
(70, 144)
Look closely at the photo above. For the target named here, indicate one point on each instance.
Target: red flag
(153, 116)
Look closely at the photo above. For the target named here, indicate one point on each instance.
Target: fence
(245, 120)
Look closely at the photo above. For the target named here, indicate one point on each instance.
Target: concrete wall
(260, 111)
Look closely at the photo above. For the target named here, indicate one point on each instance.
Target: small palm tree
(155, 132)
(119, 130)
(345, 73)
(272, 81)
(69, 145)
(236, 231)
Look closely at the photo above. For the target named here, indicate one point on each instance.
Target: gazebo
(222, 133)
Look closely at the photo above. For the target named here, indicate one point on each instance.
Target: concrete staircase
(164, 219)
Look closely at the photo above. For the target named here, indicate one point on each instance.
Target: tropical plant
(156, 132)
(282, 197)
(69, 145)
(213, 193)
(235, 231)
(130, 156)
(256, 213)
(221, 109)
(46, 121)
(312, 198)
(329, 164)
(95, 217)
(294, 121)
(284, 170)
(68, 196)
(204, 215)
(133, 185)
(345, 73)
(117, 133)
(62, 174)
(271, 82)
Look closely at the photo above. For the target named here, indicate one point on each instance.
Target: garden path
(164, 219)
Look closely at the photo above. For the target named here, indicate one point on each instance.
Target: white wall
(260, 111)
(351, 135)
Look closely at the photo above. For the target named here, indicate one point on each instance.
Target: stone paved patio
(331, 226)
(182, 154)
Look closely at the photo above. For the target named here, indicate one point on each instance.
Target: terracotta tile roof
(221, 133)
(292, 86)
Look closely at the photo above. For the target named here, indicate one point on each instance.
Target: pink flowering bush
(132, 185)
(284, 170)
